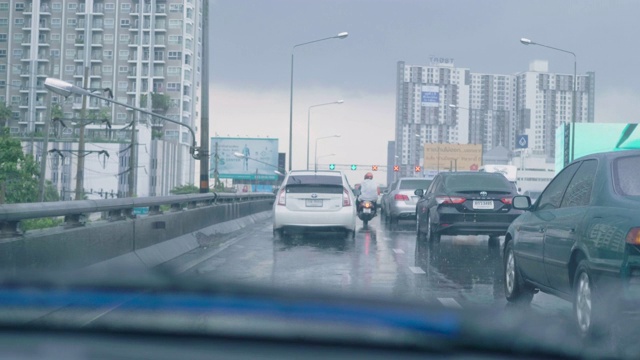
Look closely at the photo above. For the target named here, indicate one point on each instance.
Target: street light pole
(315, 153)
(526, 41)
(65, 89)
(309, 123)
(341, 35)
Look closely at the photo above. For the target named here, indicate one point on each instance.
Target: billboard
(259, 161)
(430, 96)
(595, 137)
(462, 157)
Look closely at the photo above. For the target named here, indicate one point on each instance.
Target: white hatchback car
(314, 200)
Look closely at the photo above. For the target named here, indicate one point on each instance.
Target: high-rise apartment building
(148, 52)
(545, 101)
(440, 103)
(424, 111)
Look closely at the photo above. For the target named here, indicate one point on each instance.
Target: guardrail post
(155, 210)
(9, 229)
(74, 220)
(176, 207)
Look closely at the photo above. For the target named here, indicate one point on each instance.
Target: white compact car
(314, 200)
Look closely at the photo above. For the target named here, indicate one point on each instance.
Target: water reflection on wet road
(459, 272)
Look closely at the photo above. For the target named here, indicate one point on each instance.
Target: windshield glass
(477, 182)
(314, 180)
(414, 184)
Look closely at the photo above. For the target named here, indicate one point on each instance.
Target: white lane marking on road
(416, 270)
(450, 302)
(398, 251)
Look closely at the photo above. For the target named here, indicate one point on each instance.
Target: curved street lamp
(526, 41)
(315, 153)
(340, 36)
(309, 123)
(66, 89)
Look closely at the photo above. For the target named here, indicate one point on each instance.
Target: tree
(185, 189)
(56, 111)
(5, 114)
(19, 173)
(160, 103)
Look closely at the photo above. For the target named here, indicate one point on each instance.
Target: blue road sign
(522, 142)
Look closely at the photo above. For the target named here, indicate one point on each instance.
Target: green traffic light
(332, 166)
(353, 167)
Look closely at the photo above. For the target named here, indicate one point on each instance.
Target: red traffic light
(396, 168)
(374, 168)
(417, 168)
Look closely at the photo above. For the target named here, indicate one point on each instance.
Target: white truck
(509, 171)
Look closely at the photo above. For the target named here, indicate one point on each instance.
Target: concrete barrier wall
(104, 240)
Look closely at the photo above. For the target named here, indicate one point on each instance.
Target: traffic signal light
(396, 168)
(354, 167)
(417, 168)
(374, 168)
(332, 166)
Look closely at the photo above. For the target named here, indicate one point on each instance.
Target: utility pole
(80, 170)
(45, 142)
(132, 157)
(204, 112)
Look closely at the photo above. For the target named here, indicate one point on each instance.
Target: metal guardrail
(75, 212)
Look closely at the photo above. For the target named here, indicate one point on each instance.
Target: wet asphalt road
(460, 272)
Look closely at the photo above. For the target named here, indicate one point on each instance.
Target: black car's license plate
(483, 204)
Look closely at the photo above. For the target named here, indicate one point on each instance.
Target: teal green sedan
(581, 241)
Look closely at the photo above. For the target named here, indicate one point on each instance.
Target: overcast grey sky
(251, 43)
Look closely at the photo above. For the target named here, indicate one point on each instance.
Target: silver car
(399, 202)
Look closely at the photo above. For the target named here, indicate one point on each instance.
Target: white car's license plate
(366, 211)
(313, 203)
(483, 204)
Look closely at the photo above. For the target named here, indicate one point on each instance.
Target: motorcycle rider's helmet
(368, 176)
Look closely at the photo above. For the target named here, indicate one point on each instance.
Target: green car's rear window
(625, 175)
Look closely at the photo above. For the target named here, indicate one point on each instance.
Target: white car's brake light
(282, 197)
(346, 200)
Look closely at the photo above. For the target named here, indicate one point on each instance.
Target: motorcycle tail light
(367, 204)
(346, 201)
(282, 197)
(633, 236)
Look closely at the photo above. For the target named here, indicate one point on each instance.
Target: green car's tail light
(633, 236)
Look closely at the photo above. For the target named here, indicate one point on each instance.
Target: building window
(72, 22)
(70, 53)
(4, 21)
(72, 6)
(123, 69)
(122, 85)
(173, 86)
(56, 6)
(173, 70)
(122, 116)
(71, 37)
(108, 54)
(175, 23)
(126, 7)
(3, 37)
(124, 38)
(107, 69)
(125, 22)
(3, 53)
(18, 21)
(109, 6)
(55, 22)
(4, 6)
(175, 8)
(19, 6)
(123, 54)
(55, 52)
(174, 55)
(175, 39)
(109, 23)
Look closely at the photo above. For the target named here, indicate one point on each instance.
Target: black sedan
(466, 203)
(581, 240)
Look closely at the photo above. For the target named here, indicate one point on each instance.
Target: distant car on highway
(314, 200)
(400, 201)
(465, 203)
(581, 241)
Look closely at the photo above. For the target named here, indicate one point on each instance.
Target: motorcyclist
(368, 190)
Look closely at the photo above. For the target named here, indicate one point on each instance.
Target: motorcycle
(367, 211)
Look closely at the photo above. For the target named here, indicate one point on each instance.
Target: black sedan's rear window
(477, 182)
(625, 175)
(414, 184)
